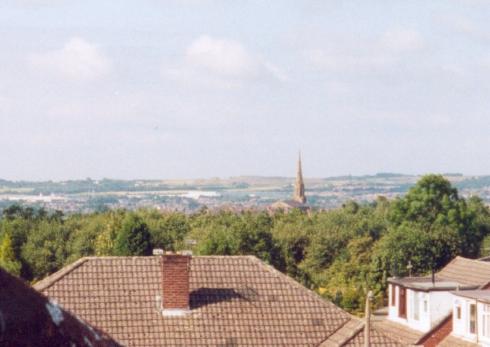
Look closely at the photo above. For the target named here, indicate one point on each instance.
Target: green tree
(134, 237)
(429, 226)
(45, 250)
(431, 200)
(168, 230)
(218, 241)
(7, 257)
(105, 240)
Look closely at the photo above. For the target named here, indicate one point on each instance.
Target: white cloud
(77, 60)
(225, 62)
(225, 57)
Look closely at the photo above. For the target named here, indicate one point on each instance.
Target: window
(472, 319)
(486, 321)
(393, 295)
(415, 305)
(458, 312)
(426, 305)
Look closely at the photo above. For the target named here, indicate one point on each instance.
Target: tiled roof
(352, 335)
(235, 301)
(28, 318)
(466, 271)
(344, 334)
(399, 332)
(377, 338)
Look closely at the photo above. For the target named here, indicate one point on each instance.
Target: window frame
(393, 295)
(486, 321)
(415, 305)
(472, 314)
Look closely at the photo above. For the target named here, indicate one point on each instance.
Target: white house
(471, 316)
(422, 303)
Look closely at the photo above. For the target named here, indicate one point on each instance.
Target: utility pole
(367, 325)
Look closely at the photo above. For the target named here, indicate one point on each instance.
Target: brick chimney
(175, 283)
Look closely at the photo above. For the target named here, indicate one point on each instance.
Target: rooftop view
(257, 173)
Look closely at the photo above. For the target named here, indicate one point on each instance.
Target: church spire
(299, 186)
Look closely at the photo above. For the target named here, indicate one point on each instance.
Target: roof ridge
(327, 341)
(153, 256)
(298, 285)
(51, 279)
(360, 327)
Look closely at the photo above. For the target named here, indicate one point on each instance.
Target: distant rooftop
(480, 295)
(460, 273)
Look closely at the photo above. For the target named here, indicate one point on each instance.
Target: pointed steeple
(299, 186)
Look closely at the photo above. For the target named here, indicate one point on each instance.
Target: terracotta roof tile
(400, 333)
(235, 301)
(377, 338)
(352, 334)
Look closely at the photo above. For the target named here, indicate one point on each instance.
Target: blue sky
(196, 88)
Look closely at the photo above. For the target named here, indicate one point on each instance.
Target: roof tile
(235, 301)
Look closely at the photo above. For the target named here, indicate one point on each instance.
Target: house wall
(423, 323)
(484, 341)
(461, 327)
(393, 309)
(432, 308)
(440, 306)
(460, 324)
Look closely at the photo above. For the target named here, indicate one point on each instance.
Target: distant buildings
(299, 199)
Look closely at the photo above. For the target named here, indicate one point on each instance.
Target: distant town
(235, 193)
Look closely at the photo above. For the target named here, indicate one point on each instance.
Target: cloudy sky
(196, 88)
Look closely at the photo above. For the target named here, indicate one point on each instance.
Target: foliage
(341, 253)
(430, 225)
(134, 237)
(8, 260)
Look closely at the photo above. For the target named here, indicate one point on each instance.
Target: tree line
(340, 253)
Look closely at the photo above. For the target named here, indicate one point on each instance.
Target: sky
(196, 88)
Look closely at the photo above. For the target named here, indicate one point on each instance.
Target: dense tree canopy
(341, 253)
(133, 238)
(431, 224)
